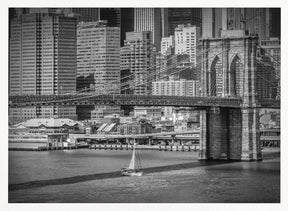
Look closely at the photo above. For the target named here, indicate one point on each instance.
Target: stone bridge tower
(229, 70)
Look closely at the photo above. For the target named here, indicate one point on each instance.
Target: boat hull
(132, 173)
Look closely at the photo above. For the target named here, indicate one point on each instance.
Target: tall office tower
(211, 22)
(167, 45)
(275, 22)
(253, 20)
(98, 62)
(141, 59)
(183, 16)
(86, 14)
(186, 40)
(127, 22)
(111, 15)
(42, 54)
(125, 67)
(98, 56)
(149, 19)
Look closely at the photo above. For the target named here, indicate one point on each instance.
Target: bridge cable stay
(131, 75)
(151, 74)
(83, 97)
(154, 73)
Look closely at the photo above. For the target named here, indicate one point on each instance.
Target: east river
(93, 176)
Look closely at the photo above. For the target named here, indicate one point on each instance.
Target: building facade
(212, 22)
(186, 42)
(98, 56)
(180, 87)
(183, 16)
(149, 19)
(167, 45)
(42, 60)
(138, 54)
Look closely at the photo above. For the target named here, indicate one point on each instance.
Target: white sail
(132, 164)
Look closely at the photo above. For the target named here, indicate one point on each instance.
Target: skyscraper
(211, 22)
(98, 64)
(111, 15)
(183, 16)
(127, 22)
(98, 56)
(42, 54)
(139, 55)
(86, 14)
(42, 51)
(149, 19)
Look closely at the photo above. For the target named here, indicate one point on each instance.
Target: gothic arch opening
(235, 78)
(215, 78)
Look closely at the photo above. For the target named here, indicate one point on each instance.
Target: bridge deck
(133, 100)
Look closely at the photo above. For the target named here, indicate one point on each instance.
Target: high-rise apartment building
(172, 87)
(149, 19)
(139, 55)
(167, 45)
(183, 16)
(42, 57)
(186, 41)
(98, 56)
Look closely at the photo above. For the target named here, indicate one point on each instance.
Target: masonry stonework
(229, 70)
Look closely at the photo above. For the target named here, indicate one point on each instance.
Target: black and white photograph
(137, 104)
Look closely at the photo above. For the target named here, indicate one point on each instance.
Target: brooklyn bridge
(234, 86)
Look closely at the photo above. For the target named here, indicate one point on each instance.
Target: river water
(93, 176)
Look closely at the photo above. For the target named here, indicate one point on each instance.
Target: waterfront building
(183, 16)
(141, 127)
(100, 111)
(150, 19)
(153, 112)
(139, 55)
(186, 41)
(42, 61)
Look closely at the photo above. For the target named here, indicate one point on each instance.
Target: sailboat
(134, 168)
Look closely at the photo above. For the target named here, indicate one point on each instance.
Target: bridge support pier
(251, 149)
(229, 134)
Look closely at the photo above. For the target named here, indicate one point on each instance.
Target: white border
(138, 3)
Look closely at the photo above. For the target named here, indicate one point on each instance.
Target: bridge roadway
(134, 136)
(135, 100)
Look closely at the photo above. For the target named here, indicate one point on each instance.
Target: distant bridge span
(133, 100)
